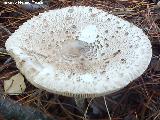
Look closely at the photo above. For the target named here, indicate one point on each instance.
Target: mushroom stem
(80, 102)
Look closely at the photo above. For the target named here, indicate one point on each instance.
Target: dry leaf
(15, 85)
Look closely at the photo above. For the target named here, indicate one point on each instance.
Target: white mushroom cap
(79, 51)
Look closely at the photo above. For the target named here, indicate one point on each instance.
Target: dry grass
(140, 100)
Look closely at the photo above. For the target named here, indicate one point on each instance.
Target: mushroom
(79, 51)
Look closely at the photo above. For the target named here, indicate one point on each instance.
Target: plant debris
(15, 85)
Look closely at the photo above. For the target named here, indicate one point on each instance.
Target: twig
(5, 29)
(85, 113)
(107, 108)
